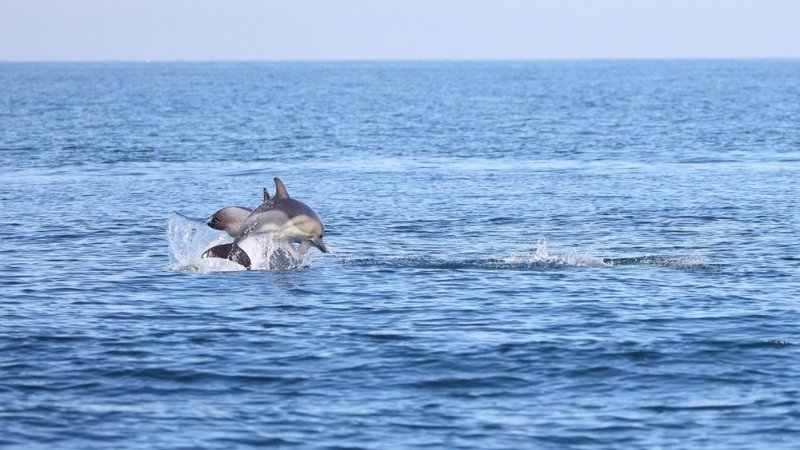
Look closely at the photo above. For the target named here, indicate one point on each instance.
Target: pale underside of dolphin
(280, 215)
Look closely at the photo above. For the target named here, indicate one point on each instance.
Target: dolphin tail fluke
(230, 252)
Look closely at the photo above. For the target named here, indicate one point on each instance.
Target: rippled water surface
(523, 255)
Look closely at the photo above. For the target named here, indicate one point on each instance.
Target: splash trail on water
(189, 237)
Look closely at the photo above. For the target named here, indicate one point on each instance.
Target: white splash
(542, 256)
(269, 251)
(188, 238)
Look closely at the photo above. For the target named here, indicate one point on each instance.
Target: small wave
(476, 382)
(189, 237)
(678, 262)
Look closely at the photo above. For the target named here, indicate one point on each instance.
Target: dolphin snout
(317, 242)
(214, 222)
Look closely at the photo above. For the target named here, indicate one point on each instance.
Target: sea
(522, 254)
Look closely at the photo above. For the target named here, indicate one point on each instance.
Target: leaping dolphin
(281, 214)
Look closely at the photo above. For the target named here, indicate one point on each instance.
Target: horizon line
(401, 60)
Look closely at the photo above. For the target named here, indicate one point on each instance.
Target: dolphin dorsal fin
(280, 189)
(266, 194)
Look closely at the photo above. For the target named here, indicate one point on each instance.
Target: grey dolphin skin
(281, 215)
(229, 219)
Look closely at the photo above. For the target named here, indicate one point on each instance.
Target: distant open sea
(598, 254)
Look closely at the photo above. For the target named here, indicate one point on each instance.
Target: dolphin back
(278, 214)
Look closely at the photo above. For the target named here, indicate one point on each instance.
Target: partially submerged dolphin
(281, 215)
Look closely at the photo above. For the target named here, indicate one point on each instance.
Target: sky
(140, 30)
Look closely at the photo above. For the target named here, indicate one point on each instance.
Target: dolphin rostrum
(281, 215)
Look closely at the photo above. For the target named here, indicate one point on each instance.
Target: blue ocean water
(523, 255)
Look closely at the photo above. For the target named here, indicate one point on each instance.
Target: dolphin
(281, 215)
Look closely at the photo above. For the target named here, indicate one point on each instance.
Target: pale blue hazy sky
(34, 30)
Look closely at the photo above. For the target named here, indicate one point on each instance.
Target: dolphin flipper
(230, 252)
(305, 245)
